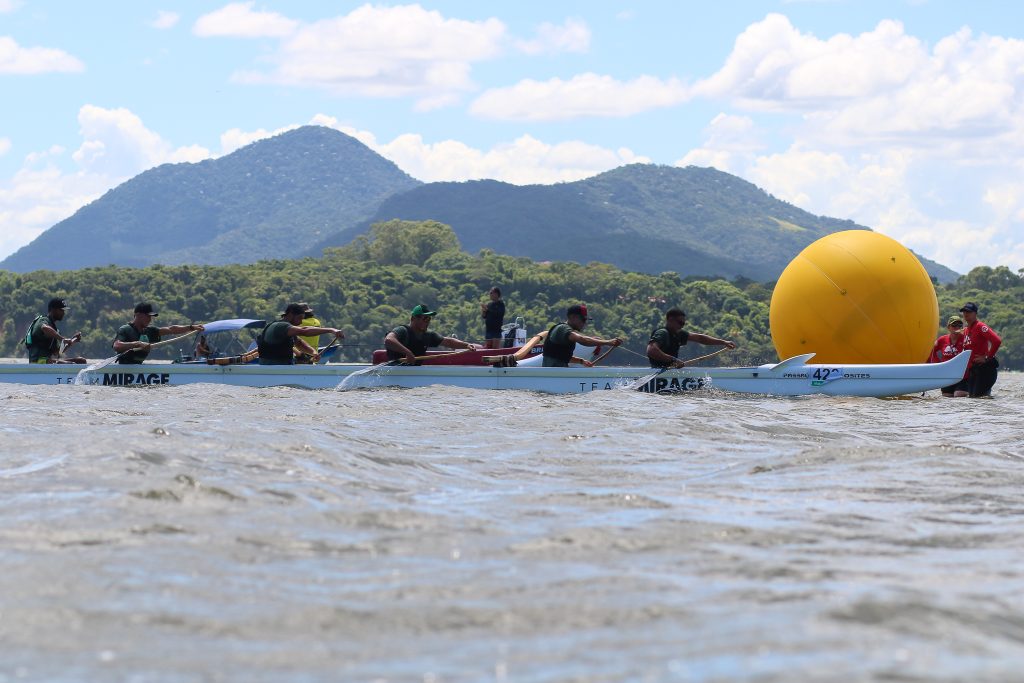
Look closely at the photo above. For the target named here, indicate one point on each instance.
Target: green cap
(955, 319)
(422, 310)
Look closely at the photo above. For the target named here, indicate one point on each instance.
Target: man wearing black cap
(563, 338)
(44, 342)
(983, 342)
(407, 342)
(134, 339)
(276, 341)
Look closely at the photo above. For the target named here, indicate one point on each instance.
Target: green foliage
(999, 293)
(398, 242)
(367, 298)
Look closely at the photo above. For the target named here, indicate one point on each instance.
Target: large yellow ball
(855, 297)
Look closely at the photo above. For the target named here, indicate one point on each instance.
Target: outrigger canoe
(795, 376)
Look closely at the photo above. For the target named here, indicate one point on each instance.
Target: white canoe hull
(793, 377)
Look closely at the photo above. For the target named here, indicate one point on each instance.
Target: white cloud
(240, 21)
(165, 20)
(9, 5)
(15, 59)
(572, 36)
(5, 146)
(523, 161)
(731, 142)
(117, 144)
(236, 138)
(585, 95)
(374, 51)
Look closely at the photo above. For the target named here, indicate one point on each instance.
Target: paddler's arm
(593, 341)
(392, 344)
(52, 333)
(585, 363)
(453, 343)
(302, 346)
(301, 331)
(710, 341)
(656, 355)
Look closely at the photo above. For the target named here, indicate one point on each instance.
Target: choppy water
(227, 534)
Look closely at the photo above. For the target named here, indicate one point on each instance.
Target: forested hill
(694, 221)
(277, 196)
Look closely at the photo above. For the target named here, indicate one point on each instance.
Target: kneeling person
(277, 340)
(134, 340)
(663, 348)
(406, 342)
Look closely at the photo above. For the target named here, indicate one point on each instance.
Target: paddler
(309, 319)
(134, 339)
(276, 342)
(663, 347)
(563, 338)
(406, 342)
(44, 342)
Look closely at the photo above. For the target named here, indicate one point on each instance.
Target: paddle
(523, 352)
(642, 382)
(99, 365)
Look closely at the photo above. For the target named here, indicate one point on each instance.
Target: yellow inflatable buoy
(855, 297)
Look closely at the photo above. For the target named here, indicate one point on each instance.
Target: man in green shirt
(406, 342)
(44, 342)
(563, 338)
(134, 339)
(663, 348)
(276, 341)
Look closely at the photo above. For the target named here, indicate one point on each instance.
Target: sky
(906, 117)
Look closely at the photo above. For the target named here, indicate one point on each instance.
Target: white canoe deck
(792, 377)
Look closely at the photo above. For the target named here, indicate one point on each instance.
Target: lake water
(207, 533)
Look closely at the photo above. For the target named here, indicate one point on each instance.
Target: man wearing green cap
(407, 342)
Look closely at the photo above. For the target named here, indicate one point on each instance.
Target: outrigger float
(796, 376)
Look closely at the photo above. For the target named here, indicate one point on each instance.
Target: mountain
(278, 196)
(696, 221)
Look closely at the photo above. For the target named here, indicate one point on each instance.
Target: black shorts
(959, 386)
(982, 377)
(492, 334)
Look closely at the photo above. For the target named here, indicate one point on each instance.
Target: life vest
(136, 357)
(558, 352)
(275, 352)
(37, 343)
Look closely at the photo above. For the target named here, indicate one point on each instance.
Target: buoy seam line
(902, 318)
(843, 291)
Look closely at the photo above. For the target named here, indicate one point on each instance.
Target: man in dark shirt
(406, 342)
(44, 342)
(493, 313)
(663, 348)
(134, 339)
(276, 341)
(563, 338)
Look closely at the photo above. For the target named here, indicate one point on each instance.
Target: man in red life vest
(949, 346)
(983, 342)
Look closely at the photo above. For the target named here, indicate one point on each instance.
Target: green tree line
(369, 287)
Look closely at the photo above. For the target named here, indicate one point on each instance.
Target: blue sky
(905, 117)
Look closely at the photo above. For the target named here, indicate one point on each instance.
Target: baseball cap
(306, 308)
(293, 309)
(56, 303)
(422, 310)
(955, 320)
(145, 308)
(578, 309)
(969, 306)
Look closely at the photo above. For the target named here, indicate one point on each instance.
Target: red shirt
(945, 348)
(981, 340)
